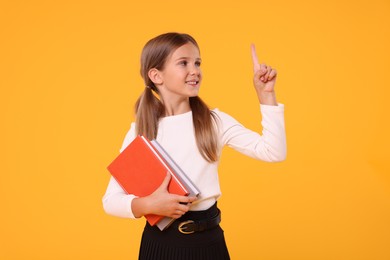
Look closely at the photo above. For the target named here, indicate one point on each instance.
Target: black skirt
(170, 244)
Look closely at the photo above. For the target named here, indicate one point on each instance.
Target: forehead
(188, 50)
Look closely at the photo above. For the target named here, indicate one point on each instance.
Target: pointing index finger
(256, 65)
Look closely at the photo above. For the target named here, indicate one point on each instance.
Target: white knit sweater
(176, 135)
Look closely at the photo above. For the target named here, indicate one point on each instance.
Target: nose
(195, 70)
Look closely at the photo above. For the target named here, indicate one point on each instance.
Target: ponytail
(205, 129)
(148, 109)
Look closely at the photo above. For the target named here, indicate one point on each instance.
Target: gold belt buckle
(182, 227)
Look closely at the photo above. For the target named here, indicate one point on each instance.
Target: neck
(177, 108)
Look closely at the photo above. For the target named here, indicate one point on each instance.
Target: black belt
(191, 226)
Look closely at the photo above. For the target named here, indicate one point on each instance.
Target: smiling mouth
(192, 82)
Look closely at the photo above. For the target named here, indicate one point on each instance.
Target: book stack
(141, 168)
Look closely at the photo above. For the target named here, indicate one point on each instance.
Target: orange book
(140, 170)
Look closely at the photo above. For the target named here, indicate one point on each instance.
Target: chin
(194, 94)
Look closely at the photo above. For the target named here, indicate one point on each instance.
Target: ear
(155, 76)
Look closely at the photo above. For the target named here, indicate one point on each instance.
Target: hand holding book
(162, 203)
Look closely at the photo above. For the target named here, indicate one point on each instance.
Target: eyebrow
(186, 58)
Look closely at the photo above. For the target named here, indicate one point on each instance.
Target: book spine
(177, 170)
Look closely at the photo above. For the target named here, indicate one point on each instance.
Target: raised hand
(264, 78)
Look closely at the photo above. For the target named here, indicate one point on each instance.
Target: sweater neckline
(178, 116)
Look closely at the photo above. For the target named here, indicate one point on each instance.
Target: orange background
(69, 79)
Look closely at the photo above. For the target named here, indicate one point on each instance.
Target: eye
(183, 62)
(198, 63)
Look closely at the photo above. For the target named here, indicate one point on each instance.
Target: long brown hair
(149, 109)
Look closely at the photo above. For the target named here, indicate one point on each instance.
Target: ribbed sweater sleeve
(270, 146)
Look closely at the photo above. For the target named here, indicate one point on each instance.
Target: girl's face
(181, 76)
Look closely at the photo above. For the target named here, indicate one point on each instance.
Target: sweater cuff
(129, 209)
(278, 108)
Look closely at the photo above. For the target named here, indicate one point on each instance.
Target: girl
(170, 111)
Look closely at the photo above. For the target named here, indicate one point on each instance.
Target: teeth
(191, 82)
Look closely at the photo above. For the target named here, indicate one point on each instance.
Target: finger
(260, 74)
(268, 71)
(272, 74)
(262, 70)
(184, 199)
(191, 199)
(183, 208)
(164, 184)
(176, 216)
(264, 67)
(255, 60)
(178, 213)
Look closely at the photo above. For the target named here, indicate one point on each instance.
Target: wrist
(140, 206)
(267, 98)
